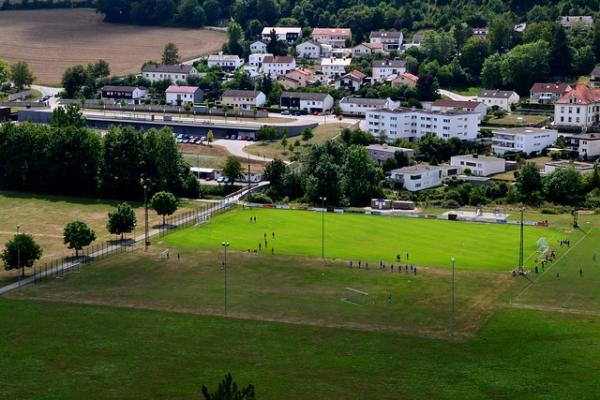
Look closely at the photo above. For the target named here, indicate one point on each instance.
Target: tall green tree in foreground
(232, 169)
(164, 203)
(21, 251)
(21, 75)
(170, 55)
(77, 235)
(122, 220)
(228, 390)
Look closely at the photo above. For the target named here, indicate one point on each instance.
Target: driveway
(456, 96)
(49, 91)
(236, 148)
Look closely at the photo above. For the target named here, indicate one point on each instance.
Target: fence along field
(53, 40)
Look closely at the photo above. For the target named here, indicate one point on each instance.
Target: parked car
(220, 179)
(285, 112)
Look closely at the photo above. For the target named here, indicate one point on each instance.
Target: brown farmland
(52, 40)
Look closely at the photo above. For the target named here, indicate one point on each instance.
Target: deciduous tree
(77, 235)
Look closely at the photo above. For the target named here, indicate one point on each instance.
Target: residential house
(547, 93)
(412, 124)
(256, 59)
(367, 49)
(478, 164)
(352, 81)
(275, 66)
(259, 46)
(530, 141)
(335, 37)
(227, 62)
(585, 146)
(498, 99)
(520, 28)
(595, 77)
(333, 68)
(175, 73)
(298, 78)
(243, 99)
(181, 95)
(576, 21)
(482, 32)
(405, 79)
(382, 69)
(309, 102)
(359, 106)
(309, 50)
(382, 152)
(581, 167)
(418, 177)
(578, 108)
(129, 94)
(455, 105)
(284, 34)
(391, 40)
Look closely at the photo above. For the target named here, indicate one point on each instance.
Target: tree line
(67, 158)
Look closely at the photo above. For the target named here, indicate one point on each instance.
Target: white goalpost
(355, 297)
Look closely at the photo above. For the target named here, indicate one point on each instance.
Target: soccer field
(373, 238)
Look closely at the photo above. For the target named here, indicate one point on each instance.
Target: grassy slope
(116, 353)
(428, 242)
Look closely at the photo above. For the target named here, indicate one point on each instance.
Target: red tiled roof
(356, 74)
(581, 94)
(557, 88)
(332, 31)
(182, 89)
(410, 76)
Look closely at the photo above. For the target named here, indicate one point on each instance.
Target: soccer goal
(355, 296)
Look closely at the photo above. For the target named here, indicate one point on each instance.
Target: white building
(334, 67)
(176, 73)
(258, 47)
(391, 40)
(227, 62)
(418, 177)
(479, 165)
(284, 34)
(128, 94)
(382, 152)
(455, 105)
(336, 37)
(275, 66)
(383, 69)
(352, 81)
(309, 49)
(586, 146)
(526, 140)
(576, 21)
(181, 95)
(243, 99)
(412, 124)
(309, 102)
(360, 106)
(498, 99)
(547, 93)
(367, 49)
(580, 167)
(256, 59)
(578, 108)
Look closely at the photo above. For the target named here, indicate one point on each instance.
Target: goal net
(355, 296)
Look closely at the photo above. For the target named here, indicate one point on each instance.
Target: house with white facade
(258, 47)
(227, 62)
(176, 73)
(359, 106)
(128, 94)
(580, 167)
(256, 59)
(333, 68)
(478, 164)
(547, 93)
(419, 177)
(585, 146)
(352, 81)
(366, 49)
(595, 77)
(298, 78)
(382, 69)
(391, 40)
(243, 99)
(578, 108)
(498, 99)
(309, 102)
(309, 50)
(284, 33)
(182, 95)
(526, 140)
(275, 66)
(335, 37)
(382, 152)
(576, 21)
(412, 124)
(456, 105)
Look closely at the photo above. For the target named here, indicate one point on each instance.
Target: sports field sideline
(371, 238)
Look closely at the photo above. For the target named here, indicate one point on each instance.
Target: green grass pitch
(373, 238)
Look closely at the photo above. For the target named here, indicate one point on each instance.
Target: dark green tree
(77, 235)
(74, 79)
(170, 55)
(21, 75)
(563, 186)
(164, 203)
(561, 54)
(21, 251)
(360, 176)
(275, 173)
(228, 390)
(529, 183)
(190, 14)
(122, 220)
(232, 169)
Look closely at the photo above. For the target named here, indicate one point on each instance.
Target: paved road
(236, 148)
(49, 91)
(456, 96)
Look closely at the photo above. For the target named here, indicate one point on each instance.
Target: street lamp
(18, 256)
(521, 260)
(323, 200)
(225, 246)
(453, 321)
(146, 232)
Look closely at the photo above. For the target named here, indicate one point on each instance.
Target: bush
(450, 204)
(258, 197)
(549, 211)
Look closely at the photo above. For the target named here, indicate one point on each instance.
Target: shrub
(259, 197)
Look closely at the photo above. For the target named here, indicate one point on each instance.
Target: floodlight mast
(521, 261)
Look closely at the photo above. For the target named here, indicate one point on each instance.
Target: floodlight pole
(323, 200)
(18, 256)
(521, 266)
(453, 320)
(146, 231)
(225, 245)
